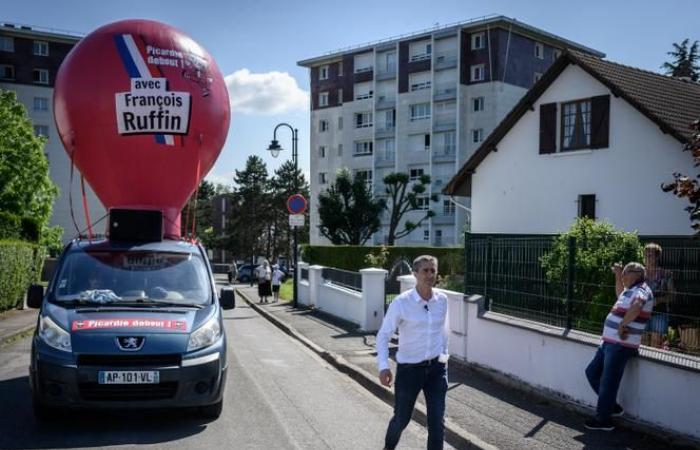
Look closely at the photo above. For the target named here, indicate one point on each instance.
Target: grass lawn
(287, 290)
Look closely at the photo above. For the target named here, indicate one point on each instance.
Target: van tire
(43, 413)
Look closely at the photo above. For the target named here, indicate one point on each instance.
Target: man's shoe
(595, 424)
(618, 411)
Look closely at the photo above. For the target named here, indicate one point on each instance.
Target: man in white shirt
(421, 318)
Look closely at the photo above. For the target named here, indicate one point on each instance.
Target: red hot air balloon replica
(143, 113)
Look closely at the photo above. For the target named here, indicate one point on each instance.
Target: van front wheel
(212, 411)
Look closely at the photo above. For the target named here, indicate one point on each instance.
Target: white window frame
(426, 235)
(41, 104)
(323, 72)
(420, 111)
(322, 99)
(477, 135)
(41, 48)
(448, 208)
(478, 104)
(41, 130)
(364, 173)
(7, 44)
(323, 125)
(477, 72)
(423, 202)
(363, 148)
(478, 40)
(3, 72)
(366, 119)
(539, 50)
(415, 174)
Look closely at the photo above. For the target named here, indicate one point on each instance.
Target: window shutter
(600, 121)
(548, 128)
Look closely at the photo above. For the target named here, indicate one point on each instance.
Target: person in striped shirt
(622, 335)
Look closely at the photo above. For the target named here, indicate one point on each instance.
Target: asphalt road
(279, 396)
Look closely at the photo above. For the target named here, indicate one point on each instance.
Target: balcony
(445, 121)
(386, 74)
(385, 159)
(420, 57)
(385, 102)
(387, 130)
(445, 92)
(364, 95)
(445, 60)
(443, 219)
(444, 153)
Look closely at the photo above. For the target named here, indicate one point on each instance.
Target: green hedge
(20, 266)
(16, 227)
(352, 257)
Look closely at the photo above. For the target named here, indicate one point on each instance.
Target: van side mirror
(35, 295)
(227, 299)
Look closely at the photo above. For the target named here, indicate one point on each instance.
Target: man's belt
(426, 363)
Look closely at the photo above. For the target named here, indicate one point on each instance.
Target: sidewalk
(481, 411)
(16, 323)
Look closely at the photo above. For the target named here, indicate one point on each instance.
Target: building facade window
(448, 208)
(340, 123)
(438, 238)
(7, 44)
(477, 135)
(420, 111)
(539, 50)
(323, 125)
(363, 62)
(477, 104)
(477, 72)
(323, 99)
(586, 206)
(419, 81)
(422, 203)
(576, 125)
(41, 130)
(340, 149)
(364, 175)
(426, 235)
(322, 179)
(363, 148)
(478, 41)
(340, 69)
(363, 91)
(323, 72)
(363, 120)
(7, 72)
(41, 104)
(322, 151)
(41, 48)
(41, 76)
(340, 96)
(426, 140)
(419, 51)
(415, 174)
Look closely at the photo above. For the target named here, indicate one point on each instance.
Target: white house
(591, 138)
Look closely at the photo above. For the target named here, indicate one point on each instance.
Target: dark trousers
(410, 380)
(604, 373)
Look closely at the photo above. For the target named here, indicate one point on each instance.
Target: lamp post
(275, 149)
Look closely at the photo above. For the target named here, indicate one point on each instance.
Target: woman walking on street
(264, 274)
(277, 276)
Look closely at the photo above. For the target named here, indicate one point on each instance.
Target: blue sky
(257, 43)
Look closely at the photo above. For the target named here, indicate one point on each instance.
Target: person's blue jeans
(410, 380)
(604, 373)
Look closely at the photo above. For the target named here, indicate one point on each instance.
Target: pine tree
(287, 182)
(685, 60)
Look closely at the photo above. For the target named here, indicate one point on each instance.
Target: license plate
(128, 377)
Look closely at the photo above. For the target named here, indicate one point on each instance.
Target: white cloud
(265, 93)
(219, 179)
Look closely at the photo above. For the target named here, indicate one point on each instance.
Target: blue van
(129, 325)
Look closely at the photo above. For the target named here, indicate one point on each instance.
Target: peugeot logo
(130, 343)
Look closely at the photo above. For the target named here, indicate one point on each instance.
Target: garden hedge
(20, 266)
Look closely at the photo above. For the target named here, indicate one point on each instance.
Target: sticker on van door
(101, 324)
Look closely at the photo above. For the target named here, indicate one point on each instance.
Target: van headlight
(205, 335)
(53, 335)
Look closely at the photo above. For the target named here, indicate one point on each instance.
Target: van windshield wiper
(147, 301)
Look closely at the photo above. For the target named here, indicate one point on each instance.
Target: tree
(402, 201)
(285, 183)
(26, 190)
(248, 227)
(199, 214)
(684, 186)
(685, 60)
(348, 212)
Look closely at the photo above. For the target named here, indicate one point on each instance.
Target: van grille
(131, 360)
(122, 392)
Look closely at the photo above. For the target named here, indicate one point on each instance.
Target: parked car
(129, 326)
(247, 273)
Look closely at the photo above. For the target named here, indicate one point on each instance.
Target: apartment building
(421, 104)
(29, 61)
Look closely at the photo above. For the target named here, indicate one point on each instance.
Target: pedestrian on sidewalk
(420, 315)
(264, 274)
(622, 335)
(277, 276)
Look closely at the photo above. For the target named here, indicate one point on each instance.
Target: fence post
(488, 272)
(373, 298)
(570, 271)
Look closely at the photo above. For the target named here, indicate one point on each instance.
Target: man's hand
(617, 269)
(623, 331)
(385, 377)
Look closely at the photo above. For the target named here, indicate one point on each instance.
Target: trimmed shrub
(20, 266)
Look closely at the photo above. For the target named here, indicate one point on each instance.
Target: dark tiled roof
(671, 103)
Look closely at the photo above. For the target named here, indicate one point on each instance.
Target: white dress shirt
(422, 328)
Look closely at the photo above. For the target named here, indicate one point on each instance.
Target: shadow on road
(76, 429)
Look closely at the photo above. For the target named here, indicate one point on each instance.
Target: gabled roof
(673, 104)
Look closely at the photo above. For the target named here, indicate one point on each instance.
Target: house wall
(517, 190)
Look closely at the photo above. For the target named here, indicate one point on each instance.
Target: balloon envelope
(143, 111)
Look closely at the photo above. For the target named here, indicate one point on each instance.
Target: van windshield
(123, 276)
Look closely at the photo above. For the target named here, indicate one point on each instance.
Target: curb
(454, 435)
(11, 337)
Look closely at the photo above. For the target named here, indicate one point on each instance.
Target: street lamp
(275, 150)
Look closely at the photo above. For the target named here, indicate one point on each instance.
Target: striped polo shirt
(639, 294)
